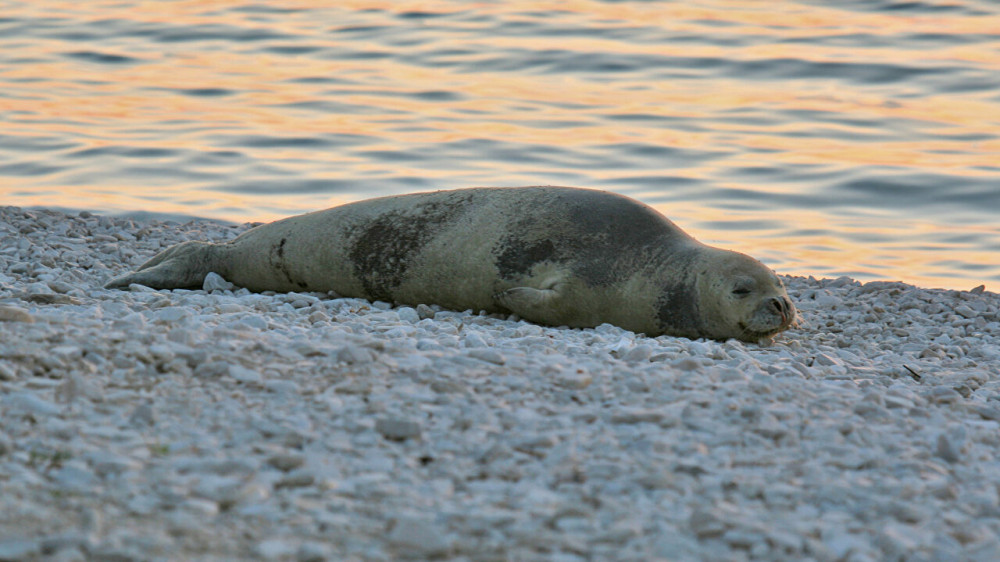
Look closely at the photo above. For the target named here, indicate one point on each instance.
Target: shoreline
(955, 282)
(175, 424)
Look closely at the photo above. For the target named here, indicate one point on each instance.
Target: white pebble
(170, 315)
(354, 355)
(638, 353)
(473, 339)
(407, 314)
(281, 386)
(27, 402)
(276, 549)
(417, 537)
(244, 375)
(489, 355)
(19, 549)
(214, 282)
(254, 322)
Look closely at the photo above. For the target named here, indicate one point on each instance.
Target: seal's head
(741, 298)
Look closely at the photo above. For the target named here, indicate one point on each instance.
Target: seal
(559, 256)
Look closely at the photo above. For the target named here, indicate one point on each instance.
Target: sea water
(857, 137)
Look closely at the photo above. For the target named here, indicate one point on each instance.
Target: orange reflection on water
(889, 255)
(203, 96)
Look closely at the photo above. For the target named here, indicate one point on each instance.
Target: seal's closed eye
(744, 287)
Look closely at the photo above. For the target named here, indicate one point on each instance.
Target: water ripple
(856, 136)
(101, 58)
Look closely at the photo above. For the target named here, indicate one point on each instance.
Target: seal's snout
(784, 308)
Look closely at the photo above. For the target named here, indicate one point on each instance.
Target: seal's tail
(183, 266)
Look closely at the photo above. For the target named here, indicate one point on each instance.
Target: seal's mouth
(773, 316)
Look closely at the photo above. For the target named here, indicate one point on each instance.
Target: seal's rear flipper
(183, 266)
(529, 303)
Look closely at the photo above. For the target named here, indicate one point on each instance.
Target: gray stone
(397, 429)
(244, 375)
(355, 355)
(29, 403)
(286, 461)
(312, 551)
(7, 372)
(947, 448)
(19, 549)
(277, 549)
(414, 536)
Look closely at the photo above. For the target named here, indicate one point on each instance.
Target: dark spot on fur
(617, 220)
(277, 259)
(605, 238)
(677, 310)
(383, 249)
(517, 257)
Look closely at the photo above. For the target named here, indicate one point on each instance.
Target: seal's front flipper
(183, 266)
(537, 305)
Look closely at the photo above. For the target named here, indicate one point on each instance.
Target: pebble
(353, 355)
(638, 353)
(313, 552)
(296, 479)
(415, 536)
(277, 549)
(574, 380)
(7, 372)
(244, 375)
(29, 403)
(947, 448)
(215, 282)
(219, 423)
(634, 416)
(19, 549)
(407, 314)
(706, 523)
(14, 314)
(143, 415)
(488, 355)
(474, 340)
(170, 315)
(397, 429)
(286, 461)
(254, 322)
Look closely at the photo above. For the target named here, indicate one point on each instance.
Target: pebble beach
(220, 424)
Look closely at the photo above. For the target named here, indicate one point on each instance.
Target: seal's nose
(783, 307)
